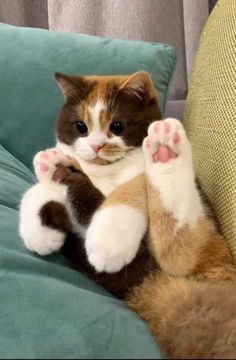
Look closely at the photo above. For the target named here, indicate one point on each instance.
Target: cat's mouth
(108, 154)
(105, 159)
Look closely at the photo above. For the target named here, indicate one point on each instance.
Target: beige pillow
(210, 115)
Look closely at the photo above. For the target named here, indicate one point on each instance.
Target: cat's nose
(96, 148)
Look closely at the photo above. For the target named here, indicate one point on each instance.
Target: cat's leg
(178, 225)
(113, 238)
(113, 227)
(44, 219)
(183, 237)
(63, 201)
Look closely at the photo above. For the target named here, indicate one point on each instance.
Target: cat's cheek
(82, 149)
(114, 236)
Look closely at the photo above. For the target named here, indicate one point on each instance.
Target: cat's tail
(190, 319)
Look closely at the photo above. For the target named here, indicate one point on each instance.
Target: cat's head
(104, 117)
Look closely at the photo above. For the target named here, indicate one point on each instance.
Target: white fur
(82, 149)
(108, 177)
(113, 237)
(38, 238)
(175, 179)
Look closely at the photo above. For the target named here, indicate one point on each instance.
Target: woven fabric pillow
(210, 115)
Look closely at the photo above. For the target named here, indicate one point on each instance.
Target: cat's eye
(116, 127)
(81, 127)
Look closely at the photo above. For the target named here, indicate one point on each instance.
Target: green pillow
(48, 310)
(29, 96)
(210, 115)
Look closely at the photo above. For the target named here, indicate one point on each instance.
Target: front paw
(46, 164)
(108, 254)
(113, 238)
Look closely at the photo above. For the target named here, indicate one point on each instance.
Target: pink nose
(95, 148)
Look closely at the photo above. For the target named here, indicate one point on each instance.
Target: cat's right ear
(70, 85)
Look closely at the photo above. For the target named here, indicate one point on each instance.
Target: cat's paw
(169, 169)
(166, 141)
(113, 237)
(45, 241)
(46, 164)
(37, 236)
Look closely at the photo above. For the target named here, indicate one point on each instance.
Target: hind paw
(166, 141)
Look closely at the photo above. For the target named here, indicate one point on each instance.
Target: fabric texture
(210, 116)
(29, 95)
(177, 22)
(48, 310)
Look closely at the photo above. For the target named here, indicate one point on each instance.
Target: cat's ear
(139, 84)
(70, 85)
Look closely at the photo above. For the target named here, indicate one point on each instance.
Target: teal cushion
(48, 310)
(29, 96)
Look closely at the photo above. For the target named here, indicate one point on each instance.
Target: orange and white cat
(129, 214)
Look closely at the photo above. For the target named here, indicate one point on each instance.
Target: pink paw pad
(44, 156)
(157, 128)
(148, 143)
(164, 154)
(43, 167)
(167, 128)
(176, 138)
(54, 152)
(173, 155)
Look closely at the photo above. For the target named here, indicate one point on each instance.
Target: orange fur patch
(190, 319)
(132, 193)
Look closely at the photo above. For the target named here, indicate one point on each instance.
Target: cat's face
(104, 117)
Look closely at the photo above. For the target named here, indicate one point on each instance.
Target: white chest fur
(108, 177)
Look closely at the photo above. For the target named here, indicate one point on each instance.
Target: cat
(117, 197)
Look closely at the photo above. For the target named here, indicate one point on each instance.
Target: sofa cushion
(29, 96)
(48, 310)
(210, 117)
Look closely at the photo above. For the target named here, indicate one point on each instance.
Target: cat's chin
(100, 161)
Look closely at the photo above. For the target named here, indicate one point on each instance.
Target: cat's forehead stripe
(97, 112)
(105, 119)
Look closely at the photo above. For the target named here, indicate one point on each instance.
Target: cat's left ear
(139, 84)
(71, 85)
